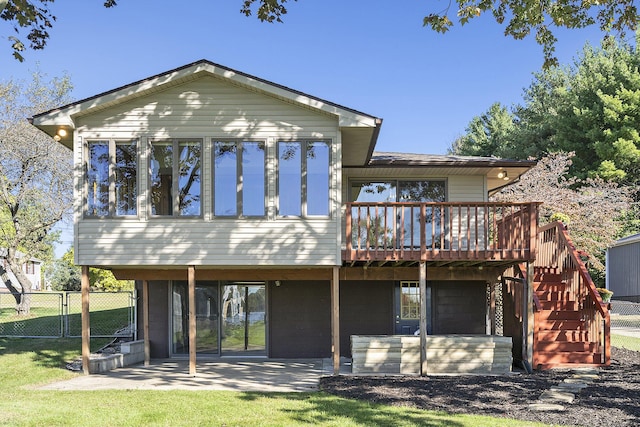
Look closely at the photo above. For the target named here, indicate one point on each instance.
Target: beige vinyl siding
(467, 189)
(209, 108)
(286, 242)
(463, 188)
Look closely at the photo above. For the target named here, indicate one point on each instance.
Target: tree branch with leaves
(35, 178)
(522, 18)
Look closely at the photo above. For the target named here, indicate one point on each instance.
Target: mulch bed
(615, 398)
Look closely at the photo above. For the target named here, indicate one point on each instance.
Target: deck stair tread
(561, 336)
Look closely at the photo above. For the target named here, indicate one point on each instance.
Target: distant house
(623, 268)
(32, 269)
(260, 221)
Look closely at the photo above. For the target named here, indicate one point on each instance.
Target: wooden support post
(422, 277)
(528, 320)
(335, 320)
(86, 331)
(492, 308)
(145, 321)
(192, 320)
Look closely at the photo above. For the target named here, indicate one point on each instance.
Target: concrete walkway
(223, 374)
(557, 397)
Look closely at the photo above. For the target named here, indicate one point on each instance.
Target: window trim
(111, 144)
(175, 176)
(303, 142)
(239, 177)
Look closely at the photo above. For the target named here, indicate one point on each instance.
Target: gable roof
(360, 130)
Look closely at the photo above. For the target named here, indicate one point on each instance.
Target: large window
(398, 191)
(239, 178)
(303, 178)
(397, 225)
(112, 187)
(175, 167)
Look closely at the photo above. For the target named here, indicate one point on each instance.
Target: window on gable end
(112, 178)
(304, 178)
(175, 174)
(239, 178)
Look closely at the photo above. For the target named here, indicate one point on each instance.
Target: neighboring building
(623, 268)
(271, 209)
(31, 268)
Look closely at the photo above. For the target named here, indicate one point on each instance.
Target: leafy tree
(592, 209)
(598, 114)
(66, 276)
(34, 16)
(104, 280)
(35, 179)
(591, 108)
(488, 134)
(523, 17)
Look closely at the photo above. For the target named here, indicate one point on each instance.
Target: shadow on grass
(48, 352)
(320, 408)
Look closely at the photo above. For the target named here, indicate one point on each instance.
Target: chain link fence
(59, 314)
(625, 325)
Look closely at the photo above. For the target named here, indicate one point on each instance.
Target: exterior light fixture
(60, 134)
(503, 175)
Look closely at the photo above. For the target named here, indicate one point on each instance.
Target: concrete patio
(223, 374)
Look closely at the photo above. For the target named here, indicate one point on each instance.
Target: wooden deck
(441, 233)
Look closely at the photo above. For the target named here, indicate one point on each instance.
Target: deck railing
(556, 250)
(431, 231)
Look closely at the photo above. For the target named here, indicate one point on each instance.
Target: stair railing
(556, 250)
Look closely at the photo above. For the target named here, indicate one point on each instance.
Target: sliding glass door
(207, 318)
(230, 319)
(243, 319)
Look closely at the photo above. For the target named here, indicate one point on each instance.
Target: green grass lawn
(28, 363)
(630, 343)
(109, 313)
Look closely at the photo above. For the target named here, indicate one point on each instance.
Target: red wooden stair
(561, 336)
(571, 325)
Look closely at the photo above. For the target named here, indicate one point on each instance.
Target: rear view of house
(259, 221)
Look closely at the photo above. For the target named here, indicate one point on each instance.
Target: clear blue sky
(372, 56)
